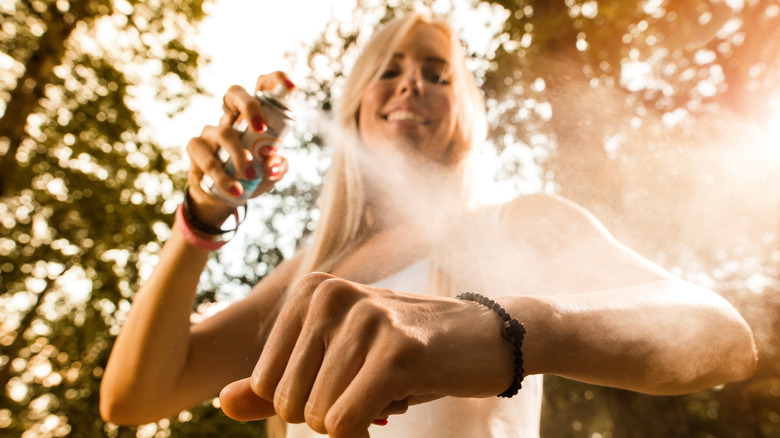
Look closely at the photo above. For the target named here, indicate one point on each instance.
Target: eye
(393, 70)
(436, 78)
(390, 73)
(437, 72)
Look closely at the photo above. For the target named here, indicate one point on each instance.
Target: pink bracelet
(192, 237)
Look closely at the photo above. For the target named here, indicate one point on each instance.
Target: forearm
(152, 348)
(663, 337)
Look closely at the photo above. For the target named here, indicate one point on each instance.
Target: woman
(401, 234)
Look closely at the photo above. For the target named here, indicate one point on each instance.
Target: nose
(411, 82)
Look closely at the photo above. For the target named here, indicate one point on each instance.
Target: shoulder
(544, 210)
(549, 220)
(557, 229)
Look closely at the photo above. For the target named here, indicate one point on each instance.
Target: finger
(203, 157)
(240, 403)
(209, 209)
(226, 144)
(284, 336)
(294, 387)
(345, 356)
(363, 401)
(242, 106)
(396, 407)
(274, 169)
(229, 115)
(270, 81)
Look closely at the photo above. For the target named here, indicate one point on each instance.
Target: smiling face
(412, 105)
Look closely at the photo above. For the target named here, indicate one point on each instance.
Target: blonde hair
(343, 200)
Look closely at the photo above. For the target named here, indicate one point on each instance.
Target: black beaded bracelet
(197, 224)
(514, 332)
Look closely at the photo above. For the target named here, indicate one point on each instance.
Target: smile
(404, 116)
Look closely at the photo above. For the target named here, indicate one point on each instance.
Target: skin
(412, 106)
(339, 354)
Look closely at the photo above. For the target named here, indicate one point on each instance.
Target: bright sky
(244, 39)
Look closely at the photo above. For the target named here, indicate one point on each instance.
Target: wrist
(206, 208)
(512, 332)
(199, 233)
(193, 237)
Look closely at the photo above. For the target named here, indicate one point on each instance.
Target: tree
(618, 105)
(654, 116)
(86, 192)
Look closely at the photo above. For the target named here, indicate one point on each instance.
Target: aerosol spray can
(279, 119)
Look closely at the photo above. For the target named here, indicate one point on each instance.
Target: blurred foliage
(656, 116)
(86, 193)
(652, 114)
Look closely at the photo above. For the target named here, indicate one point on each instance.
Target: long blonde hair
(343, 201)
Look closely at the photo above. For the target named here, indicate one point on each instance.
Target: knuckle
(285, 409)
(261, 387)
(233, 89)
(309, 284)
(192, 144)
(196, 145)
(314, 418)
(279, 75)
(317, 277)
(332, 286)
(366, 314)
(335, 295)
(212, 166)
(225, 132)
(328, 297)
(339, 424)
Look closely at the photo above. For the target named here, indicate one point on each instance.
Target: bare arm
(342, 354)
(160, 364)
(665, 337)
(617, 319)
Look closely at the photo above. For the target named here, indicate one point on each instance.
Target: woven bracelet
(514, 332)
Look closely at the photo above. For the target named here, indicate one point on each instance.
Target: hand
(342, 355)
(238, 104)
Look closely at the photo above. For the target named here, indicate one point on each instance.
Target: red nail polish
(250, 172)
(274, 170)
(235, 191)
(380, 422)
(258, 124)
(289, 83)
(266, 151)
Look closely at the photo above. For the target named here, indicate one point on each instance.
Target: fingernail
(266, 151)
(250, 172)
(235, 190)
(380, 422)
(258, 124)
(275, 170)
(289, 83)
